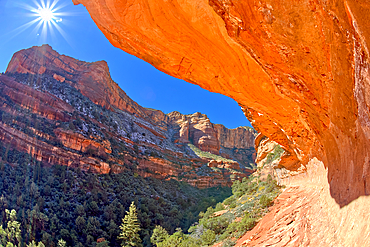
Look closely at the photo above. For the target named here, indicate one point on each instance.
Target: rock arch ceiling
(299, 69)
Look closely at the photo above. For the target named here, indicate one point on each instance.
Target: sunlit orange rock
(59, 78)
(197, 129)
(306, 214)
(94, 81)
(223, 164)
(78, 142)
(241, 137)
(299, 69)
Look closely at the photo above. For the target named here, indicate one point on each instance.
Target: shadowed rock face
(64, 111)
(299, 69)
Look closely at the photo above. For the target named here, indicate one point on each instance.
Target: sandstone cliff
(214, 138)
(65, 111)
(299, 69)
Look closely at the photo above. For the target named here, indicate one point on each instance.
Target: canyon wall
(299, 69)
(196, 128)
(60, 110)
(93, 81)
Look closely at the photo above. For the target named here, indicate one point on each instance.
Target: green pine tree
(34, 244)
(208, 237)
(11, 235)
(61, 243)
(159, 235)
(130, 228)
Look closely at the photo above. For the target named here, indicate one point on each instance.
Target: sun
(47, 17)
(44, 18)
(46, 14)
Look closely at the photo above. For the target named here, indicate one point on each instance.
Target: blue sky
(81, 39)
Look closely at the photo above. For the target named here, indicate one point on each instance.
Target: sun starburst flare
(45, 14)
(46, 19)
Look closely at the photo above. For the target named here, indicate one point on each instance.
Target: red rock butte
(299, 69)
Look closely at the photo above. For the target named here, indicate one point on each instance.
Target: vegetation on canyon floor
(227, 221)
(82, 208)
(67, 207)
(62, 206)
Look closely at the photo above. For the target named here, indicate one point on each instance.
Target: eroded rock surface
(298, 68)
(305, 214)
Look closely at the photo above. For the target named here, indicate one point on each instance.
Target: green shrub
(82, 206)
(172, 241)
(229, 200)
(208, 237)
(250, 200)
(159, 235)
(190, 242)
(246, 224)
(216, 224)
(265, 201)
(275, 154)
(219, 207)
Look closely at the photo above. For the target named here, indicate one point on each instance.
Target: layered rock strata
(64, 111)
(214, 138)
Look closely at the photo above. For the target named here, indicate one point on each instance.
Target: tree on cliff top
(130, 228)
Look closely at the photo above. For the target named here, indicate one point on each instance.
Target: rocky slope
(299, 69)
(65, 111)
